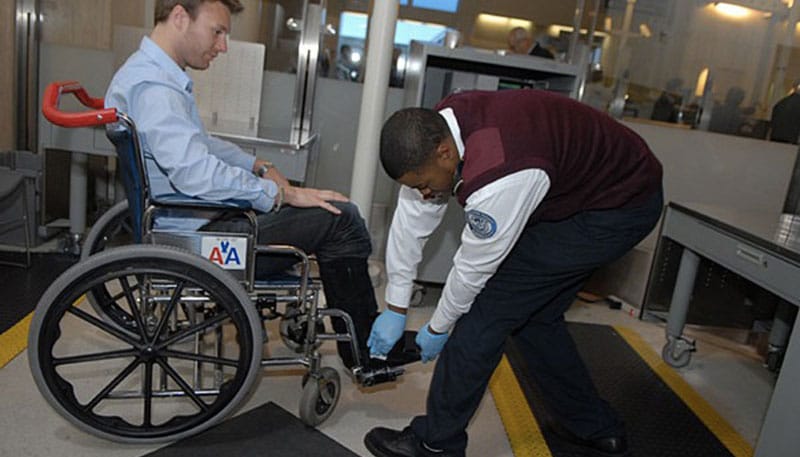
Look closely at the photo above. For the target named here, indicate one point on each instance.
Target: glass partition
(719, 66)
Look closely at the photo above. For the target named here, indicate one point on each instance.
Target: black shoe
(405, 351)
(377, 371)
(609, 446)
(385, 442)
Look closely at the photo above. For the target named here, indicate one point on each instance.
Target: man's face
(435, 178)
(522, 45)
(207, 35)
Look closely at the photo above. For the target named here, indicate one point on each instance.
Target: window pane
(451, 6)
(353, 25)
(413, 30)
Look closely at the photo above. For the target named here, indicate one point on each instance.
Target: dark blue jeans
(526, 299)
(341, 243)
(316, 231)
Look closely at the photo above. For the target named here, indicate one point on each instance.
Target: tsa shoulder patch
(228, 253)
(482, 225)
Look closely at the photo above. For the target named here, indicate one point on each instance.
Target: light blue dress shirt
(180, 156)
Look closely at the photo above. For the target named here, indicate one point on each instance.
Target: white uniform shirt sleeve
(413, 222)
(510, 201)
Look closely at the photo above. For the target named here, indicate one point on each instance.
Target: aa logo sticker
(228, 253)
(482, 225)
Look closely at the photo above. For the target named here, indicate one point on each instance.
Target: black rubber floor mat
(267, 430)
(22, 287)
(658, 422)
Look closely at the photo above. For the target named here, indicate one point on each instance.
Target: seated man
(152, 87)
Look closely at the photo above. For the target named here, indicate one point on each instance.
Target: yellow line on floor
(524, 434)
(737, 445)
(14, 340)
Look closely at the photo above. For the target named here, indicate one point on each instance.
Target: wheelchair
(157, 335)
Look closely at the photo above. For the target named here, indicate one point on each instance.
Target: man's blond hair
(164, 7)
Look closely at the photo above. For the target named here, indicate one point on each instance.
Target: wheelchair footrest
(378, 371)
(375, 376)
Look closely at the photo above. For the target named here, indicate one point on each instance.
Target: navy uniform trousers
(526, 298)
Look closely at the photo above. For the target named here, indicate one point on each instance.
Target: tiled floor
(728, 375)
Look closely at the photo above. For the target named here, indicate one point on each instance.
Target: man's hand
(306, 197)
(430, 342)
(387, 329)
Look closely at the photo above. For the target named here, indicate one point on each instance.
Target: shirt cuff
(399, 296)
(439, 323)
(266, 200)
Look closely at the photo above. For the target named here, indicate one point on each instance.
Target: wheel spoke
(191, 330)
(199, 358)
(113, 384)
(148, 394)
(93, 357)
(108, 328)
(173, 300)
(135, 310)
(182, 384)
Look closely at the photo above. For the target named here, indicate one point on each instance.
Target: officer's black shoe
(610, 446)
(385, 442)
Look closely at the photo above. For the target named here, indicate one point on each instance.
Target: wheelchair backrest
(125, 139)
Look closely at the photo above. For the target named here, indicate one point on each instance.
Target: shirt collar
(452, 123)
(165, 62)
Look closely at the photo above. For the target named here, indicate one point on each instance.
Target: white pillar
(373, 103)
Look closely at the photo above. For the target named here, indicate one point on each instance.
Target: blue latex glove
(387, 329)
(431, 344)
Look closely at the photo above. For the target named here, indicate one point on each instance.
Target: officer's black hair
(409, 138)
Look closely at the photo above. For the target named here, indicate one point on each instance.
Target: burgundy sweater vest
(593, 161)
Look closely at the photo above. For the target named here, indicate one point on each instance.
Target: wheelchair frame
(165, 313)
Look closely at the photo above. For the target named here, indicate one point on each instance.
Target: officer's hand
(387, 329)
(430, 343)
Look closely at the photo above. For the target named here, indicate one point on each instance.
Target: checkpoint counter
(761, 247)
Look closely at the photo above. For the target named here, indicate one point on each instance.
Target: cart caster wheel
(677, 353)
(774, 360)
(320, 397)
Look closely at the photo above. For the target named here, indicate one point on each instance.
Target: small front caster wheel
(320, 396)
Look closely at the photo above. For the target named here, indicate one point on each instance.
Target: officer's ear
(447, 150)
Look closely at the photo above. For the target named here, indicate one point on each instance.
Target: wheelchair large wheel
(113, 229)
(190, 359)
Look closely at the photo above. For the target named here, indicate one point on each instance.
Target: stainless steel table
(765, 249)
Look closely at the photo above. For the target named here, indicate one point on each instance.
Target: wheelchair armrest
(179, 205)
(182, 200)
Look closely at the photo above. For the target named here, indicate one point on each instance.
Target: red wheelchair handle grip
(98, 115)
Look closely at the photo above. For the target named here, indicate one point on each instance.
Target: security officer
(552, 190)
